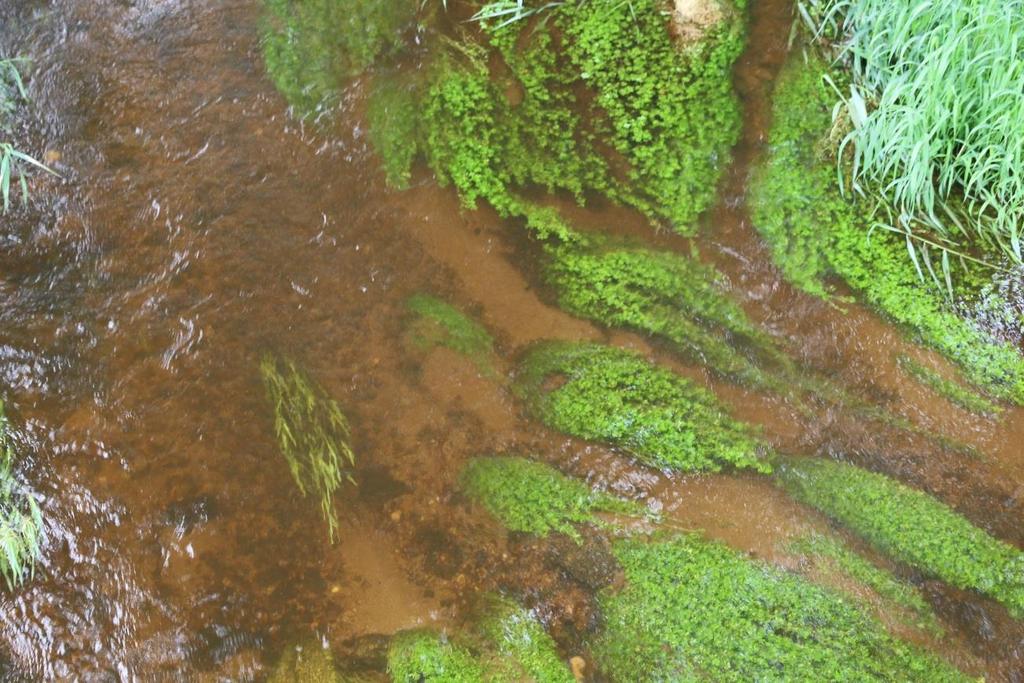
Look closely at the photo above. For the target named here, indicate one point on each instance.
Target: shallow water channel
(199, 226)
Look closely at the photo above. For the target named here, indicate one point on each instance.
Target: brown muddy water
(198, 226)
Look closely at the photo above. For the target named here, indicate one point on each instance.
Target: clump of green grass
(534, 498)
(798, 206)
(694, 610)
(438, 323)
(909, 526)
(312, 433)
(504, 644)
(311, 47)
(21, 521)
(937, 110)
(616, 396)
(947, 388)
(838, 557)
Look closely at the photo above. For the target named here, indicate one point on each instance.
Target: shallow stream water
(198, 226)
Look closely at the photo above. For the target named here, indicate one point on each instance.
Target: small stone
(396, 515)
(51, 156)
(578, 666)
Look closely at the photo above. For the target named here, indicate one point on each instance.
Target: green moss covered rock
(909, 526)
(534, 498)
(616, 396)
(504, 644)
(813, 230)
(693, 610)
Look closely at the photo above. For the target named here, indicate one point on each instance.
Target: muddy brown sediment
(201, 226)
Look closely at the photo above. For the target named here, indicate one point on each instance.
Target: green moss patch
(310, 47)
(504, 644)
(837, 557)
(813, 230)
(693, 610)
(668, 296)
(909, 526)
(607, 394)
(534, 498)
(952, 391)
(438, 323)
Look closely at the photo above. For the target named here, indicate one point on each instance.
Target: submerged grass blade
(312, 433)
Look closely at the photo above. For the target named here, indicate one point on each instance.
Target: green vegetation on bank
(21, 521)
(949, 389)
(838, 557)
(503, 644)
(671, 110)
(312, 433)
(693, 610)
(616, 396)
(438, 323)
(668, 110)
(936, 110)
(534, 498)
(909, 526)
(799, 208)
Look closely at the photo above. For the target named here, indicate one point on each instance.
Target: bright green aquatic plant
(838, 557)
(21, 521)
(909, 526)
(312, 433)
(311, 47)
(608, 394)
(798, 206)
(669, 296)
(504, 644)
(534, 498)
(438, 323)
(671, 110)
(936, 110)
(951, 390)
(693, 610)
